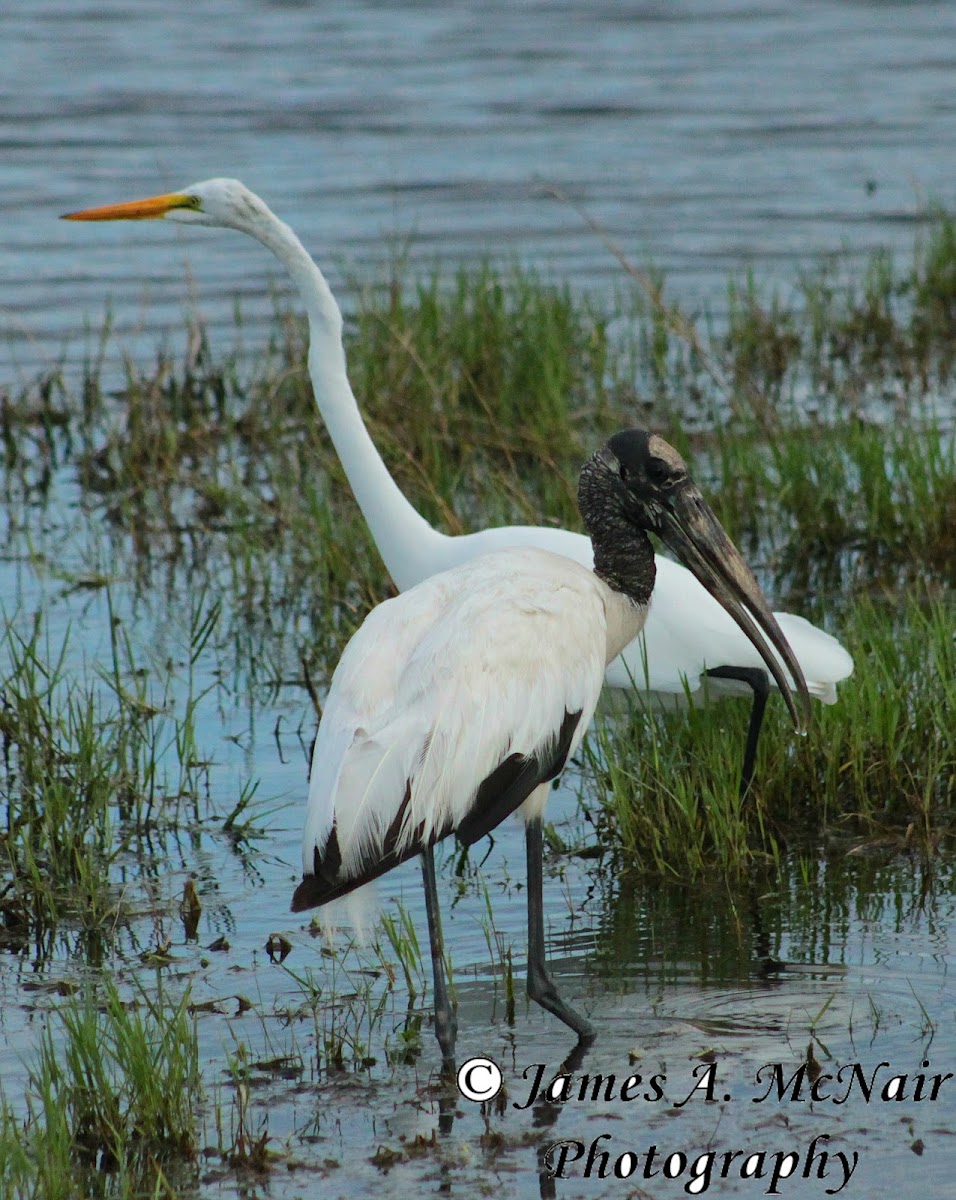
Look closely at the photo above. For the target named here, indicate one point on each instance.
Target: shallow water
(705, 136)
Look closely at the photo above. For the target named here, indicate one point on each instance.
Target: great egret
(456, 702)
(689, 647)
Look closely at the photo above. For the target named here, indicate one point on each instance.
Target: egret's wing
(687, 631)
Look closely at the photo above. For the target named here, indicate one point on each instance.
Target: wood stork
(456, 702)
(689, 648)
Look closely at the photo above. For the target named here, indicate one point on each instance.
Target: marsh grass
(879, 764)
(821, 428)
(348, 1006)
(843, 504)
(474, 381)
(111, 1104)
(94, 772)
(500, 958)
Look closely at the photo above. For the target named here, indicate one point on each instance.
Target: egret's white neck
(404, 538)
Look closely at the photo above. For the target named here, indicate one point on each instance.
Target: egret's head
(224, 202)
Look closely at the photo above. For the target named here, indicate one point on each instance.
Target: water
(705, 136)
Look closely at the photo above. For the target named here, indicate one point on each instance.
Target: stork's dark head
(638, 484)
(651, 473)
(636, 476)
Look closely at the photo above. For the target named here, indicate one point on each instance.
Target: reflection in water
(820, 910)
(545, 1115)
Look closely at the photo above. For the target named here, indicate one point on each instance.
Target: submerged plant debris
(183, 563)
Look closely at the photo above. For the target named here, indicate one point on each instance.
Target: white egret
(689, 646)
(457, 701)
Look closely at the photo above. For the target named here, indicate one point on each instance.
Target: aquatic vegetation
(219, 469)
(881, 762)
(111, 1103)
(96, 771)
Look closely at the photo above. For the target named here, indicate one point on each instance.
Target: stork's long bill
(652, 484)
(692, 531)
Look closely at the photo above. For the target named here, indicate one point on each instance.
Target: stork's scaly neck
(623, 554)
(404, 538)
(624, 558)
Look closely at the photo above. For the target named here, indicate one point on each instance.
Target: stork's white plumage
(687, 635)
(446, 683)
(455, 703)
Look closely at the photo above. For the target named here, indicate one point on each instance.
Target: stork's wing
(451, 704)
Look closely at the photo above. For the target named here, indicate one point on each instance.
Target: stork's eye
(658, 470)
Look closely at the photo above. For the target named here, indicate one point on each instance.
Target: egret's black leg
(767, 965)
(446, 1025)
(759, 683)
(540, 984)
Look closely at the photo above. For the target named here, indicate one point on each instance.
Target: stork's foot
(541, 989)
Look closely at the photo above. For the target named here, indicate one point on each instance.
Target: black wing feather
(513, 781)
(497, 797)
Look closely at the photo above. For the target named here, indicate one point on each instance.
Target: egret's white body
(686, 632)
(456, 702)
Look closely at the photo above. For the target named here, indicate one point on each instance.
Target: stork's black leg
(759, 683)
(540, 984)
(446, 1025)
(546, 1112)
